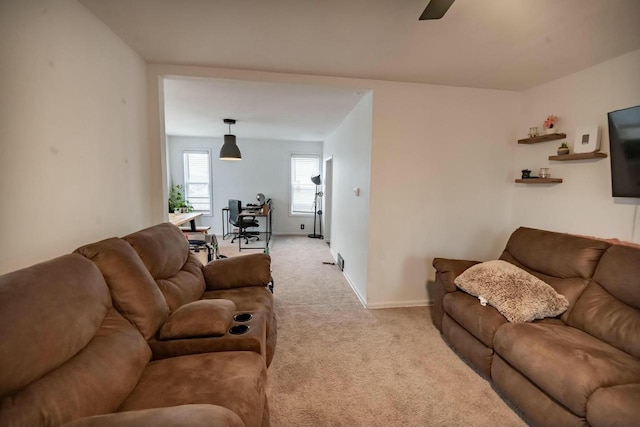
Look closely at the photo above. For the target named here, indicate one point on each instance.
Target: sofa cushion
(540, 409)
(240, 271)
(175, 416)
(134, 292)
(94, 381)
(165, 252)
(481, 321)
(516, 294)
(573, 256)
(610, 306)
(57, 305)
(234, 380)
(614, 406)
(199, 319)
(163, 249)
(571, 287)
(566, 363)
(185, 286)
(469, 347)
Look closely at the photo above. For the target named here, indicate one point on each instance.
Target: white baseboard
(399, 304)
(393, 304)
(355, 290)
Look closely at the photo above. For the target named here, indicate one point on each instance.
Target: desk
(179, 219)
(226, 227)
(258, 212)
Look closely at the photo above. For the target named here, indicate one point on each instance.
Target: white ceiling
(196, 107)
(499, 44)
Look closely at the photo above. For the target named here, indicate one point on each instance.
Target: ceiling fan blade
(436, 9)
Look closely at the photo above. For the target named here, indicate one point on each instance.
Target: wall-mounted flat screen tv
(624, 147)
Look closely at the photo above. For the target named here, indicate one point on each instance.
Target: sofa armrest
(446, 272)
(203, 318)
(448, 269)
(175, 416)
(237, 272)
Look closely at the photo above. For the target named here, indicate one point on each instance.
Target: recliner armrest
(237, 272)
(448, 269)
(446, 272)
(203, 318)
(199, 415)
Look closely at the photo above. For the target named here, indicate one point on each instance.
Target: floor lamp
(316, 212)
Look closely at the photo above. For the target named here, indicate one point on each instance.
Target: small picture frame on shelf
(587, 139)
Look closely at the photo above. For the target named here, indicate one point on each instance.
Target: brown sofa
(68, 357)
(158, 285)
(580, 368)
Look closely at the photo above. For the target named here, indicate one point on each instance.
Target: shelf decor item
(526, 173)
(587, 139)
(550, 125)
(563, 150)
(533, 132)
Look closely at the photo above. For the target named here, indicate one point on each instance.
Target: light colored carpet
(338, 364)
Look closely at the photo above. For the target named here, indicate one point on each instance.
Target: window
(303, 167)
(197, 180)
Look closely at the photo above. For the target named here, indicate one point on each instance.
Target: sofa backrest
(66, 353)
(165, 252)
(134, 292)
(555, 254)
(564, 261)
(609, 308)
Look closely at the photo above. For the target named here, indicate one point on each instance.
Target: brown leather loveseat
(577, 369)
(76, 338)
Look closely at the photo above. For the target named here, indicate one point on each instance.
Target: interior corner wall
(265, 168)
(74, 162)
(582, 203)
(350, 147)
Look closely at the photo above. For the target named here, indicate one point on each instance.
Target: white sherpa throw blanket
(516, 294)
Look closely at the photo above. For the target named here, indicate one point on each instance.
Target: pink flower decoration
(550, 122)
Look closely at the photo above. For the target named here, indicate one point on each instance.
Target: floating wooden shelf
(539, 181)
(542, 138)
(579, 156)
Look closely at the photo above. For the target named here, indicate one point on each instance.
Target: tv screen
(624, 147)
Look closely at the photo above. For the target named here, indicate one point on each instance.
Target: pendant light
(230, 150)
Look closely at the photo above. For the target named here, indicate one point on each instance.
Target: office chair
(242, 223)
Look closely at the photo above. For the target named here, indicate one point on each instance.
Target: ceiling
(497, 44)
(196, 107)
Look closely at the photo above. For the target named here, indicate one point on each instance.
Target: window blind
(303, 191)
(197, 180)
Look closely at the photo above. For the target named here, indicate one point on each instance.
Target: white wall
(350, 146)
(583, 203)
(74, 162)
(441, 183)
(264, 168)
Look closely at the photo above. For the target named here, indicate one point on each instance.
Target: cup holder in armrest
(239, 329)
(243, 317)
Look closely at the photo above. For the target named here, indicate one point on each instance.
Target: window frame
(186, 183)
(293, 156)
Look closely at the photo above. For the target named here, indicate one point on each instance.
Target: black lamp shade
(316, 179)
(230, 150)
